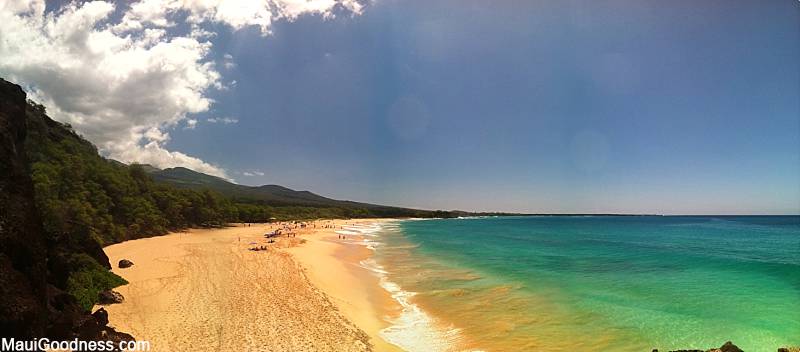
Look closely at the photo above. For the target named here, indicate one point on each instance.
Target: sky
(667, 107)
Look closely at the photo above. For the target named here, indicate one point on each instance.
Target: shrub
(88, 279)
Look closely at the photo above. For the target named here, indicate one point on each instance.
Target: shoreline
(334, 266)
(414, 328)
(203, 287)
(362, 290)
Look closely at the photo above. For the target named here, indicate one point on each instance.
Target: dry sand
(203, 290)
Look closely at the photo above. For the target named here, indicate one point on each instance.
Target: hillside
(62, 202)
(268, 194)
(49, 275)
(273, 195)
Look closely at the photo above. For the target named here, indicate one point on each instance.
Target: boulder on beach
(101, 316)
(124, 263)
(110, 297)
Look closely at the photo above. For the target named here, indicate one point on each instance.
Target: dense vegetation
(76, 190)
(84, 197)
(79, 191)
(88, 279)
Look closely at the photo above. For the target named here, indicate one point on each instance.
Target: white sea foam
(413, 330)
(371, 265)
(369, 244)
(367, 230)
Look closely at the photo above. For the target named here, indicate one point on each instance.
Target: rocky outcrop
(124, 263)
(23, 247)
(110, 297)
(730, 347)
(32, 303)
(727, 347)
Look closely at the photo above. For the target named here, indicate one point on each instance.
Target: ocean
(593, 283)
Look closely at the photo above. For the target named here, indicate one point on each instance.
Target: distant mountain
(61, 202)
(272, 195)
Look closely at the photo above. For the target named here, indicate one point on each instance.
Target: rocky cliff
(33, 303)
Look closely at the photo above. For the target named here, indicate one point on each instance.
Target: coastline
(334, 266)
(205, 288)
(348, 271)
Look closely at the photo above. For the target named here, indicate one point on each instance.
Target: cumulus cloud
(124, 82)
(252, 173)
(235, 13)
(223, 120)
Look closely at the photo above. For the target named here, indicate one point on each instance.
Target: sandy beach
(205, 290)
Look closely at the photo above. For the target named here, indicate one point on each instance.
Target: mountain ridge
(269, 194)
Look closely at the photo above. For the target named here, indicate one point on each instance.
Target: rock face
(31, 261)
(23, 248)
(124, 263)
(110, 297)
(727, 347)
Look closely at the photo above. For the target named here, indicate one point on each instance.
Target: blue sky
(676, 107)
(666, 107)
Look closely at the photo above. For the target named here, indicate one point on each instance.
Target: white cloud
(252, 173)
(235, 13)
(227, 61)
(223, 120)
(191, 124)
(123, 84)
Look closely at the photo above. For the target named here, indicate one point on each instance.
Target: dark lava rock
(33, 263)
(110, 297)
(101, 316)
(727, 347)
(94, 328)
(124, 263)
(23, 246)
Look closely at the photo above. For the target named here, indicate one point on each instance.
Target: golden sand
(204, 290)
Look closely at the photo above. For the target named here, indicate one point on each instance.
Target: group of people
(286, 228)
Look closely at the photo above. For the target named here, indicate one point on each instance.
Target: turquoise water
(603, 283)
